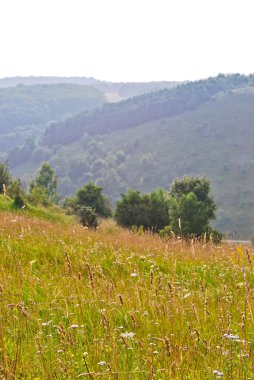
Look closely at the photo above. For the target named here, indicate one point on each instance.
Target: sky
(126, 40)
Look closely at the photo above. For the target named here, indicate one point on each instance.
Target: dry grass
(116, 305)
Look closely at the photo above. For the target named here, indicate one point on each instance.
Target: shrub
(147, 210)
(91, 196)
(88, 217)
(16, 192)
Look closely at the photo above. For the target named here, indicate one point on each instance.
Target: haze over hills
(114, 91)
(26, 111)
(198, 128)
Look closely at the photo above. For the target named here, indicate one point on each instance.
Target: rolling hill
(27, 110)
(199, 128)
(113, 91)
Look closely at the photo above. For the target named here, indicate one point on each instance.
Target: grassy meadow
(111, 304)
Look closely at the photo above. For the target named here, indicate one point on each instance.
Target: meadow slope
(113, 304)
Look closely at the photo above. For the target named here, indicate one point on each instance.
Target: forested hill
(117, 91)
(41, 103)
(25, 110)
(142, 109)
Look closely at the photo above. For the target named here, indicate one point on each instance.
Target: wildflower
(46, 323)
(134, 274)
(128, 334)
(218, 373)
(102, 363)
(155, 352)
(231, 336)
(73, 327)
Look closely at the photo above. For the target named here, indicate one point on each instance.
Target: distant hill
(113, 91)
(26, 110)
(142, 109)
(199, 128)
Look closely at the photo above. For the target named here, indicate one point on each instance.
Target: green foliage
(5, 177)
(6, 203)
(213, 235)
(88, 217)
(191, 206)
(91, 195)
(38, 196)
(43, 187)
(166, 232)
(17, 193)
(147, 210)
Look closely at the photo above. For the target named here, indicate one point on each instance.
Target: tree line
(185, 210)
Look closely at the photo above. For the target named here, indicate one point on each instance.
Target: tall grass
(116, 305)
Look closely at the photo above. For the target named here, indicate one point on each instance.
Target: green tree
(159, 203)
(132, 209)
(5, 177)
(91, 195)
(192, 206)
(148, 210)
(43, 187)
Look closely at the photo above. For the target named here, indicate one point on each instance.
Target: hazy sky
(126, 40)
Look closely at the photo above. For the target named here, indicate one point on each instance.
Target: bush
(5, 177)
(43, 187)
(16, 192)
(88, 217)
(147, 210)
(39, 196)
(213, 235)
(91, 196)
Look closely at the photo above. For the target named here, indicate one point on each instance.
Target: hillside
(112, 304)
(112, 90)
(141, 109)
(27, 110)
(203, 128)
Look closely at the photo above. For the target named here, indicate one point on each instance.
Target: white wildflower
(231, 336)
(102, 363)
(73, 327)
(46, 323)
(218, 373)
(127, 334)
